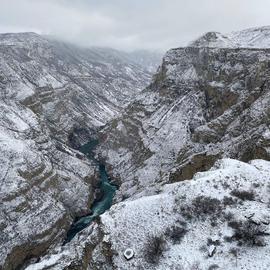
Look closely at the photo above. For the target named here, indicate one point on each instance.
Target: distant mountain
(149, 60)
(46, 75)
(258, 37)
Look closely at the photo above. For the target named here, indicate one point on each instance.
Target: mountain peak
(20, 38)
(258, 37)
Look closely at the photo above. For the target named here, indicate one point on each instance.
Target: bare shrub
(229, 201)
(244, 195)
(228, 216)
(201, 207)
(176, 233)
(213, 267)
(248, 233)
(154, 248)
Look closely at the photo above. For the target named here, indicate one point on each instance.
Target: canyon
(187, 150)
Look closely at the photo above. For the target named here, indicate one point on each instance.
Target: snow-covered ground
(195, 219)
(132, 224)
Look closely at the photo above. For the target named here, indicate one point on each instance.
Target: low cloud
(128, 24)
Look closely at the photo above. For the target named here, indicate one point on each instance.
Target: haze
(129, 25)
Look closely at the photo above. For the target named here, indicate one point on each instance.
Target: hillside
(54, 96)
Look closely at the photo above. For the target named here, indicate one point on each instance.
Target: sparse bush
(213, 223)
(228, 216)
(234, 251)
(244, 195)
(154, 248)
(176, 233)
(248, 233)
(213, 267)
(256, 185)
(228, 201)
(202, 206)
(225, 185)
(206, 205)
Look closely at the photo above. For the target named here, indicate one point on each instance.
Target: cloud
(128, 24)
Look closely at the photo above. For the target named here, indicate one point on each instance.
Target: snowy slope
(203, 209)
(43, 184)
(67, 85)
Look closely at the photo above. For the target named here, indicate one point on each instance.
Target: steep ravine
(102, 202)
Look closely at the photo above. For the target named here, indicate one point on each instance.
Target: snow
(138, 219)
(49, 262)
(129, 224)
(250, 38)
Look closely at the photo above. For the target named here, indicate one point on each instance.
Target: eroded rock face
(207, 101)
(42, 187)
(66, 86)
(53, 96)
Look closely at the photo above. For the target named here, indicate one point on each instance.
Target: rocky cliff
(208, 100)
(53, 96)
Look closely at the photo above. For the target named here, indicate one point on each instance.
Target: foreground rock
(218, 220)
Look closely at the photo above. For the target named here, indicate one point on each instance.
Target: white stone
(211, 250)
(129, 253)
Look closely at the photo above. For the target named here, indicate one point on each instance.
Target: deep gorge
(100, 205)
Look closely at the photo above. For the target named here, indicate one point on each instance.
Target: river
(102, 204)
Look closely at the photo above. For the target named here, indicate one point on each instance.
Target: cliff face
(207, 101)
(70, 88)
(52, 96)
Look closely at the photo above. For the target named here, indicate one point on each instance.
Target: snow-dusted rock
(211, 250)
(205, 102)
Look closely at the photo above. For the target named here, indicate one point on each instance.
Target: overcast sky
(131, 24)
